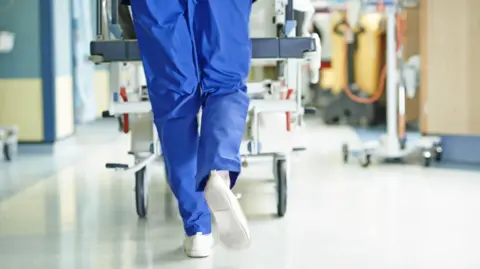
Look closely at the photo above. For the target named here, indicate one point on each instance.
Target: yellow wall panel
(21, 104)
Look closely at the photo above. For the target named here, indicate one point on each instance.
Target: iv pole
(389, 146)
(392, 146)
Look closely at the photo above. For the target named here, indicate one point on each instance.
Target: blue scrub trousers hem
(234, 172)
(233, 178)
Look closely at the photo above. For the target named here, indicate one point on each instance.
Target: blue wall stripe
(461, 149)
(48, 69)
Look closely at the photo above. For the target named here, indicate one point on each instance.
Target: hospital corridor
(76, 214)
(265, 134)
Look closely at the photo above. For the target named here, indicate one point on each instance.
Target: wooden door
(450, 71)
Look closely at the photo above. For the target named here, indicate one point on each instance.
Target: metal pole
(99, 19)
(289, 11)
(114, 10)
(299, 93)
(392, 95)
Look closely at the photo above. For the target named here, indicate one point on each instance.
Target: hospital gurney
(133, 105)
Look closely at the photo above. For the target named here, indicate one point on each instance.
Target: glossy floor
(78, 215)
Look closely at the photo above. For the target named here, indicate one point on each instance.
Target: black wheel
(438, 153)
(7, 152)
(367, 161)
(427, 158)
(120, 124)
(345, 153)
(281, 170)
(427, 161)
(141, 193)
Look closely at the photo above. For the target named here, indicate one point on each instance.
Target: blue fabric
(196, 54)
(127, 2)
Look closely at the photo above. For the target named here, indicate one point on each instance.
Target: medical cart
(130, 102)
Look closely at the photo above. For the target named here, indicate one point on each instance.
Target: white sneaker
(198, 246)
(231, 222)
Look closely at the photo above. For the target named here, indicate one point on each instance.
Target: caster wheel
(141, 193)
(366, 161)
(281, 173)
(310, 110)
(345, 153)
(364, 122)
(438, 153)
(7, 152)
(403, 143)
(345, 121)
(427, 158)
(427, 162)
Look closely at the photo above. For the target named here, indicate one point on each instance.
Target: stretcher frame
(145, 146)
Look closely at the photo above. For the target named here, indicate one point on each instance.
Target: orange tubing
(383, 75)
(400, 35)
(288, 114)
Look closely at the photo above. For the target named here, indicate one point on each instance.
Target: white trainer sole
(227, 212)
(198, 254)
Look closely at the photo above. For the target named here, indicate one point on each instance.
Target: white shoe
(198, 246)
(231, 222)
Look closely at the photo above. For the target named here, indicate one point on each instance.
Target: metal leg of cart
(135, 118)
(142, 135)
(430, 149)
(281, 170)
(280, 150)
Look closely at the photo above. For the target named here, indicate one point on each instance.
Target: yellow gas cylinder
(370, 53)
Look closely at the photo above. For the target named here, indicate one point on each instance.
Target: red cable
(289, 114)
(123, 94)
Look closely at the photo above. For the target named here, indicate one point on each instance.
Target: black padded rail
(262, 48)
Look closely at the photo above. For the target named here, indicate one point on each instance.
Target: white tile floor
(339, 216)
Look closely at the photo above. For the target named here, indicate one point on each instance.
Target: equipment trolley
(130, 102)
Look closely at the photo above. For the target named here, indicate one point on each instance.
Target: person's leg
(224, 54)
(168, 56)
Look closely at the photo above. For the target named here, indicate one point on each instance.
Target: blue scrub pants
(196, 54)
